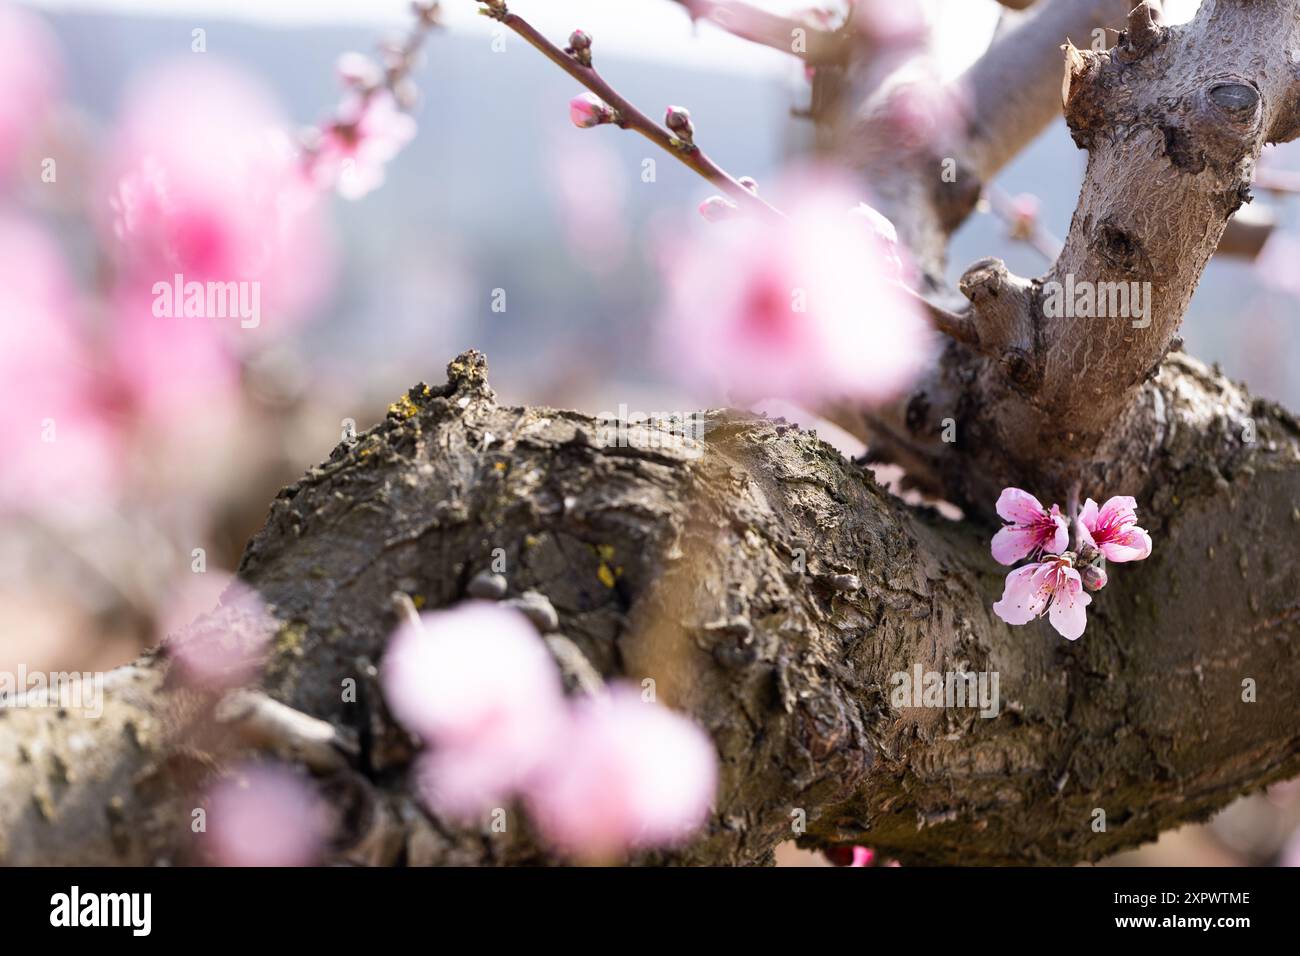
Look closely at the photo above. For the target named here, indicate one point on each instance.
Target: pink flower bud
(717, 209)
(587, 110)
(678, 119)
(1094, 578)
(1024, 216)
(580, 47)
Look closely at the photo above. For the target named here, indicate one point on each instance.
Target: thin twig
(955, 325)
(819, 47)
(1040, 239)
(629, 117)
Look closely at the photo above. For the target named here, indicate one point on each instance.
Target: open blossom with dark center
(804, 308)
(1052, 586)
(1033, 528)
(1112, 529)
(369, 131)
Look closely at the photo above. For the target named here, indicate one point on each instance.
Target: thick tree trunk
(770, 589)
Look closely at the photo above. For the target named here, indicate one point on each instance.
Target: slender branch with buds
(624, 114)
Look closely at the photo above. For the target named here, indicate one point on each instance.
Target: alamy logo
(103, 909)
(209, 300)
(71, 690)
(1087, 300)
(651, 431)
(960, 688)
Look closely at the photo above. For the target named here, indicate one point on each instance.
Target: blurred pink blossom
(590, 191)
(63, 450)
(479, 686)
(263, 816)
(1275, 265)
(206, 184)
(803, 308)
(921, 108)
(30, 70)
(889, 23)
(631, 774)
(216, 646)
(355, 147)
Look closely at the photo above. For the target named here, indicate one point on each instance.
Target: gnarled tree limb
(770, 588)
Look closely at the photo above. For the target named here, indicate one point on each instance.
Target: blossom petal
(1118, 511)
(1133, 544)
(1023, 596)
(1019, 507)
(1067, 613)
(1088, 516)
(1014, 542)
(1061, 536)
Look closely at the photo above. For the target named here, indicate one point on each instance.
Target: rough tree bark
(771, 588)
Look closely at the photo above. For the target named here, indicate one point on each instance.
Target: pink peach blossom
(206, 184)
(1113, 529)
(1032, 529)
(478, 685)
(1053, 586)
(63, 451)
(369, 131)
(264, 816)
(883, 232)
(29, 80)
(802, 308)
(631, 774)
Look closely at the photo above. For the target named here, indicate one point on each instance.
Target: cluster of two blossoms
(599, 774)
(1058, 584)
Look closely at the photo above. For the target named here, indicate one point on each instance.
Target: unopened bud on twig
(750, 183)
(588, 109)
(1094, 578)
(717, 209)
(678, 121)
(580, 47)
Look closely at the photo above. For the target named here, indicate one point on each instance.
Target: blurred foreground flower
(217, 648)
(29, 80)
(63, 452)
(802, 309)
(478, 686)
(207, 186)
(600, 776)
(263, 816)
(632, 774)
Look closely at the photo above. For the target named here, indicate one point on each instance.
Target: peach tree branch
(626, 115)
